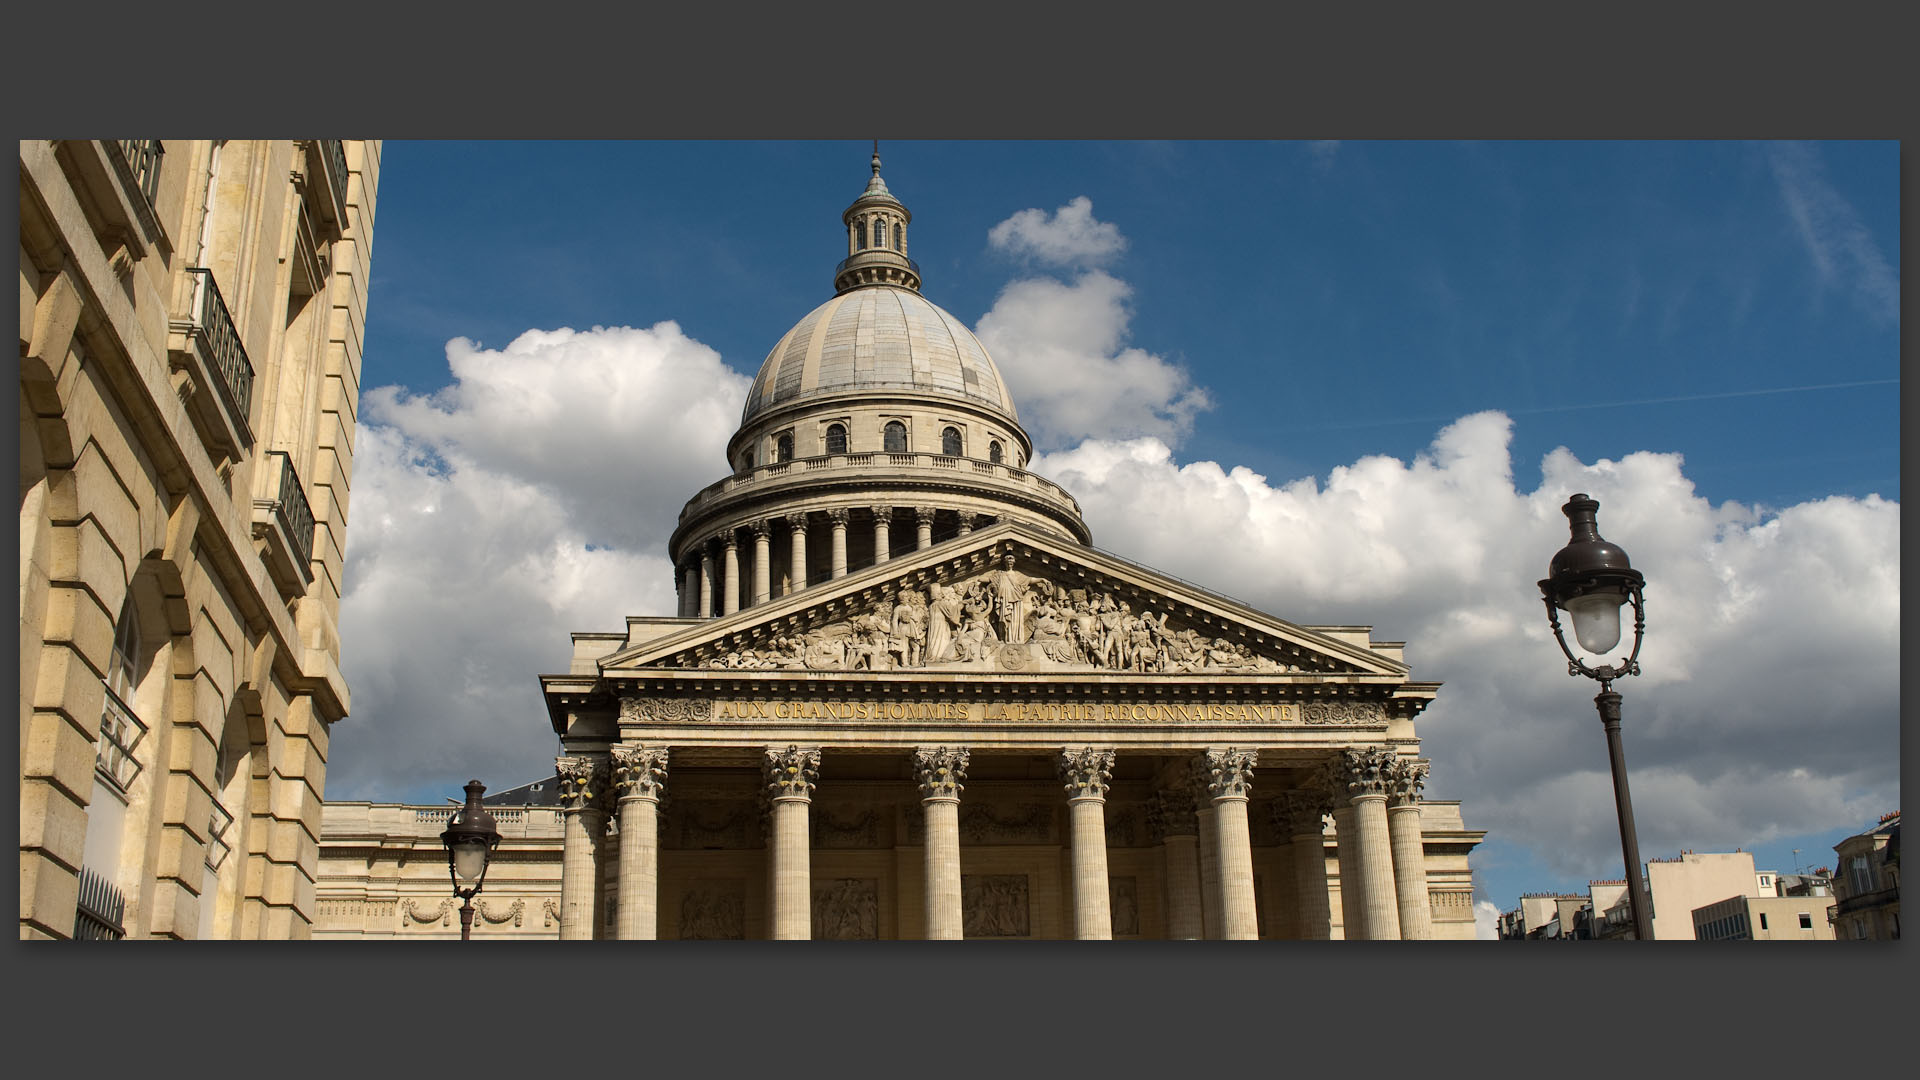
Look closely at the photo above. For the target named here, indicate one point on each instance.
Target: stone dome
(879, 337)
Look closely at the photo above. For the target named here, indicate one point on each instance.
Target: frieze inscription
(1341, 713)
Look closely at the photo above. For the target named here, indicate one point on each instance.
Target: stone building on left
(191, 319)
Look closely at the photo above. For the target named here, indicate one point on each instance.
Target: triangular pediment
(960, 607)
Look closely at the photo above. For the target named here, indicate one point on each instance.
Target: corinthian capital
(797, 521)
(1365, 770)
(1087, 771)
(583, 779)
(1405, 779)
(942, 772)
(762, 528)
(838, 516)
(791, 773)
(1300, 812)
(640, 771)
(1229, 773)
(882, 513)
(923, 514)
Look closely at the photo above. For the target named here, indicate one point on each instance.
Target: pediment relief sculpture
(1002, 619)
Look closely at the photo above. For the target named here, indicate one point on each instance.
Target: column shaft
(791, 876)
(797, 562)
(840, 544)
(1210, 913)
(1380, 911)
(706, 584)
(1092, 911)
(730, 584)
(1184, 922)
(639, 895)
(881, 524)
(923, 528)
(943, 869)
(1315, 917)
(762, 566)
(1410, 872)
(580, 872)
(1347, 854)
(1239, 919)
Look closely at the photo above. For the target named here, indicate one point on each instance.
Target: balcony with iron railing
(142, 157)
(327, 168)
(98, 909)
(120, 733)
(283, 520)
(206, 345)
(881, 469)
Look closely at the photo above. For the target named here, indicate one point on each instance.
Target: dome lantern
(876, 239)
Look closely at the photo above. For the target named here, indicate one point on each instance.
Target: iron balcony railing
(293, 511)
(333, 158)
(99, 908)
(120, 734)
(218, 847)
(215, 323)
(143, 159)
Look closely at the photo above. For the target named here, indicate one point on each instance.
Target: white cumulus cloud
(1070, 236)
(529, 499)
(1769, 703)
(1063, 349)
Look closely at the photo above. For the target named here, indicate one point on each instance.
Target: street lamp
(470, 839)
(1591, 580)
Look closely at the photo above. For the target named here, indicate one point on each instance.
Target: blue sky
(1709, 329)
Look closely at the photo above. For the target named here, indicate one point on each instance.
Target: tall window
(994, 453)
(120, 726)
(879, 233)
(783, 447)
(860, 237)
(896, 437)
(836, 439)
(950, 442)
(746, 462)
(1862, 875)
(900, 238)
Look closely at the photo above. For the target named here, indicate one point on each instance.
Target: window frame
(886, 441)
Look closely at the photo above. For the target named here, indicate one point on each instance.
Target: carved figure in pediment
(908, 640)
(944, 617)
(976, 635)
(1111, 648)
(1012, 601)
(1146, 655)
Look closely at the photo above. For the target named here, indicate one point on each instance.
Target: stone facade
(1866, 884)
(880, 585)
(191, 316)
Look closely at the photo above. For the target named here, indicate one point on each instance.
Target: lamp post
(470, 839)
(1591, 580)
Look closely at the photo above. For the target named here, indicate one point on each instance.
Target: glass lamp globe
(1596, 620)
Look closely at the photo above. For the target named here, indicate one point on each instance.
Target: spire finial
(876, 157)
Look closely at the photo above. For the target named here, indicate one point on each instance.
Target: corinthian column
(1171, 818)
(966, 523)
(730, 559)
(706, 582)
(762, 561)
(640, 776)
(923, 527)
(583, 784)
(1405, 780)
(1365, 771)
(942, 774)
(790, 776)
(797, 561)
(1302, 812)
(1229, 779)
(882, 521)
(682, 590)
(1086, 772)
(1209, 844)
(838, 519)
